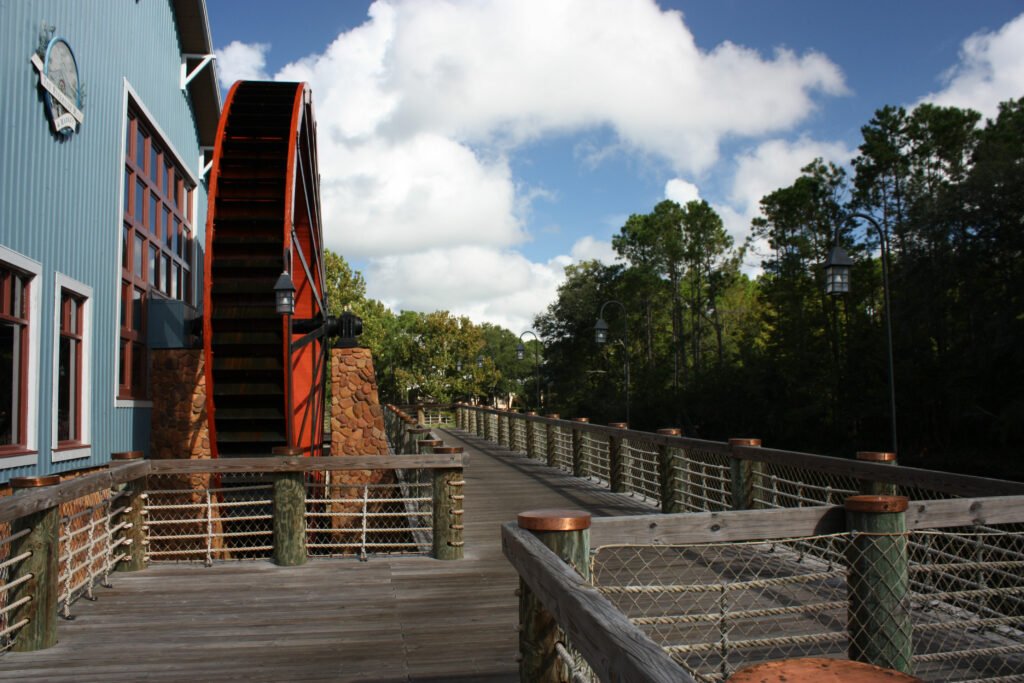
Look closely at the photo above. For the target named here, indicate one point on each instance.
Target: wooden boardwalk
(387, 619)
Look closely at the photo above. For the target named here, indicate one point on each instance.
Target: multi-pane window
(69, 368)
(156, 244)
(14, 351)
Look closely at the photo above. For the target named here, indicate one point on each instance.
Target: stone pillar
(357, 421)
(178, 422)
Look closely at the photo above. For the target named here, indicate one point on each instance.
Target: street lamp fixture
(601, 337)
(458, 366)
(521, 353)
(284, 294)
(480, 361)
(837, 282)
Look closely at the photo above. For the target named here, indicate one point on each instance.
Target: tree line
(721, 354)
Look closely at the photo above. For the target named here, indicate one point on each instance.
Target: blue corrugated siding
(60, 198)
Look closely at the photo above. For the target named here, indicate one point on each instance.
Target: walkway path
(387, 619)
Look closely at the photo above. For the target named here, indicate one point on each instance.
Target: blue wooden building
(107, 122)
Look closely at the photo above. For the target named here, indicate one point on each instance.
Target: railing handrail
(945, 482)
(774, 523)
(613, 646)
(35, 500)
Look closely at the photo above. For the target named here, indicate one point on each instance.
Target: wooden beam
(615, 648)
(301, 464)
(12, 507)
(937, 514)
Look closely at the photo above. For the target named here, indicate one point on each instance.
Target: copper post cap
(285, 450)
(744, 442)
(671, 431)
(553, 416)
(126, 455)
(554, 520)
(874, 456)
(619, 425)
(419, 430)
(530, 412)
(32, 482)
(447, 450)
(819, 670)
(430, 443)
(581, 419)
(876, 504)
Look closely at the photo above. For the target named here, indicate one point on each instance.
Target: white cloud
(991, 70)
(588, 249)
(241, 62)
(419, 108)
(681, 192)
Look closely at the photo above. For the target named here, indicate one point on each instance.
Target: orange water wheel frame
(265, 372)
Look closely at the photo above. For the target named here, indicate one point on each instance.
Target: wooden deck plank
(389, 619)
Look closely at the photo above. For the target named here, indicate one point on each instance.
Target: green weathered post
(421, 418)
(531, 437)
(417, 434)
(669, 458)
(481, 421)
(488, 427)
(878, 582)
(617, 460)
(567, 533)
(289, 513)
(746, 476)
(512, 436)
(133, 535)
(502, 428)
(39, 592)
(579, 461)
(551, 433)
(448, 512)
(877, 488)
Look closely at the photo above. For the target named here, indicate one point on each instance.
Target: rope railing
(10, 580)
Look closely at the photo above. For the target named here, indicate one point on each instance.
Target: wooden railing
(57, 542)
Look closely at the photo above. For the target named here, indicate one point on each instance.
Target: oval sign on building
(58, 77)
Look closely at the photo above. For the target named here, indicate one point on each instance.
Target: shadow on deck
(388, 619)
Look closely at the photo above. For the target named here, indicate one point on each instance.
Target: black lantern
(480, 361)
(837, 272)
(284, 291)
(601, 331)
(458, 366)
(520, 351)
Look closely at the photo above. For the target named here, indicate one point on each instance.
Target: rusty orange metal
(554, 520)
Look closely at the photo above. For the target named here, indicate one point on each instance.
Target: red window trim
(23, 323)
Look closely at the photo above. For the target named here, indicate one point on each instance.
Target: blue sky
(470, 150)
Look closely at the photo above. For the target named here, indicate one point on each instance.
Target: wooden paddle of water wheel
(265, 371)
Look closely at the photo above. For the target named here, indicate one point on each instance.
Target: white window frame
(28, 265)
(63, 282)
(130, 95)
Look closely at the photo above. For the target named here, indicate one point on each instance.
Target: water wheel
(264, 219)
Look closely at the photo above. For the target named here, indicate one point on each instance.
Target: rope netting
(562, 441)
(9, 579)
(91, 544)
(957, 607)
(640, 469)
(703, 481)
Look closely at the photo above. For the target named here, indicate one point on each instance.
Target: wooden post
(502, 428)
(617, 460)
(488, 427)
(531, 437)
(448, 512)
(289, 513)
(579, 461)
(427, 446)
(877, 488)
(567, 533)
(409, 445)
(421, 418)
(133, 536)
(669, 458)
(39, 611)
(551, 433)
(878, 582)
(512, 436)
(417, 434)
(746, 476)
(481, 418)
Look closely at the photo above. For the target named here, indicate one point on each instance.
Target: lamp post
(601, 337)
(837, 282)
(284, 295)
(521, 353)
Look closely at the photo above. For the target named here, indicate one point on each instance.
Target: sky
(470, 150)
